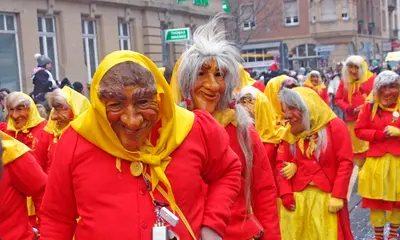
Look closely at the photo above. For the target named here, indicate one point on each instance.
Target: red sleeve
(264, 191)
(339, 98)
(59, 212)
(28, 177)
(221, 171)
(3, 125)
(362, 129)
(41, 150)
(344, 157)
(259, 86)
(284, 155)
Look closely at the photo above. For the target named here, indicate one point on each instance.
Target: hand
(288, 202)
(289, 170)
(335, 204)
(392, 131)
(207, 233)
(380, 136)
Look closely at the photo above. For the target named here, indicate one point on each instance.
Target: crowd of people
(200, 152)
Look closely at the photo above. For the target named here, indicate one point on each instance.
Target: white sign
(325, 48)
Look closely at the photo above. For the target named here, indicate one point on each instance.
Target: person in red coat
(132, 149)
(22, 176)
(378, 180)
(314, 81)
(26, 125)
(207, 76)
(353, 90)
(315, 199)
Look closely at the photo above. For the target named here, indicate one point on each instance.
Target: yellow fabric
(224, 117)
(271, 92)
(245, 78)
(318, 87)
(33, 120)
(12, 148)
(162, 70)
(320, 116)
(394, 216)
(30, 206)
(176, 91)
(176, 123)
(377, 218)
(354, 85)
(379, 178)
(265, 119)
(359, 146)
(78, 104)
(311, 220)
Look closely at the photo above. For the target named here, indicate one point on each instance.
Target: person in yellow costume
(314, 81)
(66, 105)
(379, 179)
(315, 200)
(22, 176)
(133, 152)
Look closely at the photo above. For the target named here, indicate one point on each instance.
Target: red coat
(116, 205)
(357, 99)
(259, 86)
(323, 93)
(21, 178)
(271, 150)
(241, 226)
(331, 174)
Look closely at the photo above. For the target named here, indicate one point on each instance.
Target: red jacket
(357, 99)
(323, 93)
(264, 204)
(21, 178)
(271, 150)
(331, 174)
(259, 86)
(116, 205)
(366, 128)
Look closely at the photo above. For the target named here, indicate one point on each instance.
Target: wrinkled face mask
(314, 79)
(20, 115)
(63, 115)
(295, 118)
(353, 71)
(209, 87)
(389, 94)
(248, 102)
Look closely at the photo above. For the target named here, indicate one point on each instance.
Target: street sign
(177, 34)
(226, 7)
(325, 48)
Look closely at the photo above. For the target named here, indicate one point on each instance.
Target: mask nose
(131, 119)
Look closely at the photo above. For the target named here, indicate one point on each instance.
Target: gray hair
(383, 79)
(16, 99)
(56, 98)
(210, 43)
(356, 60)
(314, 72)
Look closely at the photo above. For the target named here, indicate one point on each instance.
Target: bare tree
(249, 18)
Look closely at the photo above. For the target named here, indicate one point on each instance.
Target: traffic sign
(177, 34)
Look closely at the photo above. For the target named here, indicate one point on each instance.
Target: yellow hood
(175, 122)
(176, 91)
(271, 92)
(318, 87)
(264, 119)
(33, 120)
(12, 149)
(245, 78)
(78, 104)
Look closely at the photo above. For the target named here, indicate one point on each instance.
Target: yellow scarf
(317, 88)
(176, 123)
(271, 92)
(354, 85)
(245, 78)
(224, 117)
(12, 149)
(377, 104)
(162, 70)
(34, 119)
(78, 104)
(320, 116)
(174, 85)
(264, 119)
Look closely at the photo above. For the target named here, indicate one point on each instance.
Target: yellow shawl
(33, 120)
(320, 116)
(12, 149)
(175, 123)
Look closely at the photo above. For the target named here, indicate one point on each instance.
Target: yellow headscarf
(78, 104)
(176, 122)
(12, 149)
(162, 70)
(34, 118)
(271, 92)
(320, 116)
(176, 91)
(245, 77)
(318, 87)
(355, 85)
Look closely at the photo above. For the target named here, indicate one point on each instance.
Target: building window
(291, 12)
(328, 10)
(260, 54)
(124, 35)
(303, 55)
(48, 42)
(313, 13)
(90, 46)
(247, 17)
(9, 53)
(345, 10)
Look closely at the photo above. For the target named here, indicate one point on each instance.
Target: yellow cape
(320, 116)
(271, 92)
(33, 120)
(318, 88)
(12, 149)
(78, 104)
(176, 122)
(265, 120)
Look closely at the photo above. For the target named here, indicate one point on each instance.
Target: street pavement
(359, 217)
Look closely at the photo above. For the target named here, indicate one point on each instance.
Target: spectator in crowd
(333, 86)
(375, 67)
(77, 86)
(43, 81)
(6, 91)
(65, 82)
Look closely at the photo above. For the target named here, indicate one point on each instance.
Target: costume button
(144, 225)
(136, 168)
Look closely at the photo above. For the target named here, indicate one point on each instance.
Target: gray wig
(57, 97)
(289, 97)
(210, 43)
(383, 79)
(356, 60)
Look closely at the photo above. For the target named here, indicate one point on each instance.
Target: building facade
(77, 34)
(318, 33)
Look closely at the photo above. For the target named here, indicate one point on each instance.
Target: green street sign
(226, 7)
(200, 2)
(177, 34)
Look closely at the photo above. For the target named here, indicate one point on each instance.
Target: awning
(393, 56)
